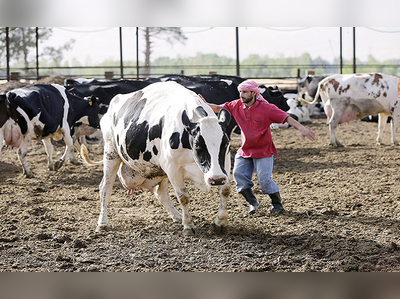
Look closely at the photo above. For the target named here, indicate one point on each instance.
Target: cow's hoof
(29, 175)
(189, 231)
(58, 164)
(177, 219)
(220, 222)
(336, 145)
(103, 228)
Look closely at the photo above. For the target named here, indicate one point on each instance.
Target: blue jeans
(243, 173)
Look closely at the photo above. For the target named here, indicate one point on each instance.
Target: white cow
(346, 97)
(163, 133)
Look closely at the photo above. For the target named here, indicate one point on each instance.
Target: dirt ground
(342, 214)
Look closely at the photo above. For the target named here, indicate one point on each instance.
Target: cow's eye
(197, 146)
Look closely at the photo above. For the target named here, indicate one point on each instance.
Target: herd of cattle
(159, 130)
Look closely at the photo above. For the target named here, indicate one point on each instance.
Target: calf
(163, 133)
(346, 97)
(49, 111)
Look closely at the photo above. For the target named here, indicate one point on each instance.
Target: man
(254, 116)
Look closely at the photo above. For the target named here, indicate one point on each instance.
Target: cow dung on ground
(343, 213)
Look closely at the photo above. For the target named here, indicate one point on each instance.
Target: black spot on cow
(136, 139)
(185, 140)
(155, 131)
(174, 140)
(147, 156)
(222, 150)
(136, 133)
(202, 156)
(155, 150)
(201, 112)
(117, 138)
(131, 109)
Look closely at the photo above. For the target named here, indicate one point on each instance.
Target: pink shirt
(254, 123)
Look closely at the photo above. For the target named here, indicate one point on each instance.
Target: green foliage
(254, 66)
(22, 41)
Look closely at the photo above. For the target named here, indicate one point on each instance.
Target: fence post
(8, 52)
(37, 53)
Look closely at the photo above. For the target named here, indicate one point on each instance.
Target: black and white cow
(162, 133)
(299, 110)
(307, 87)
(49, 111)
(274, 95)
(104, 90)
(215, 89)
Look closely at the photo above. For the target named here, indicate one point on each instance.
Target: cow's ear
(189, 126)
(224, 118)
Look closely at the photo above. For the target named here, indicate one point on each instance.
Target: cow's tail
(85, 156)
(316, 95)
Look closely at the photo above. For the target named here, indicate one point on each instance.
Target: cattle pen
(343, 211)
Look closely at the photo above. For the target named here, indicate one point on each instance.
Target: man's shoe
(276, 212)
(251, 199)
(276, 202)
(253, 208)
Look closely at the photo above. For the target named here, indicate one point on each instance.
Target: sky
(96, 44)
(274, 28)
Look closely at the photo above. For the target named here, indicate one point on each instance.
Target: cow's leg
(221, 221)
(184, 198)
(1, 139)
(68, 153)
(161, 193)
(22, 151)
(395, 124)
(333, 123)
(337, 109)
(111, 165)
(49, 151)
(382, 120)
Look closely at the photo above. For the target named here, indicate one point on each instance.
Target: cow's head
(210, 144)
(93, 111)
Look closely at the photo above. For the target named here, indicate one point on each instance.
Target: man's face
(246, 96)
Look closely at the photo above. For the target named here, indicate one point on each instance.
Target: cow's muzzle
(217, 181)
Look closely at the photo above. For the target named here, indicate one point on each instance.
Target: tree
(23, 40)
(170, 34)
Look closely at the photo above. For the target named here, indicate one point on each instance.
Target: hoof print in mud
(220, 230)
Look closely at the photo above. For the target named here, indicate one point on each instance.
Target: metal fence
(245, 71)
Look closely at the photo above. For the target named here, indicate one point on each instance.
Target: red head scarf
(251, 85)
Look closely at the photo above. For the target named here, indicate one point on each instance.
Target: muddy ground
(342, 214)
